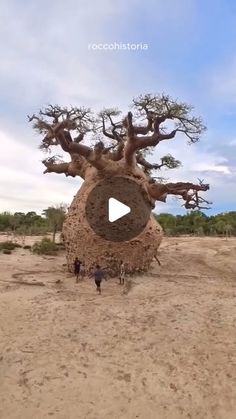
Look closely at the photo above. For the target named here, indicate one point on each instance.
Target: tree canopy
(105, 139)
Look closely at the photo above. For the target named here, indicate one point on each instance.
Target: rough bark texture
(81, 241)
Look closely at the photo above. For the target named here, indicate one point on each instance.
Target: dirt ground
(162, 347)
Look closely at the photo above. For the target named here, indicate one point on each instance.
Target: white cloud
(195, 158)
(23, 186)
(205, 167)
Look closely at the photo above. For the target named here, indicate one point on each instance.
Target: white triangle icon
(116, 209)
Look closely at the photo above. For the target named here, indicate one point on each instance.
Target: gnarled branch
(188, 191)
(166, 161)
(158, 109)
(94, 157)
(135, 142)
(76, 167)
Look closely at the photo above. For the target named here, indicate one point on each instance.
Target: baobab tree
(108, 145)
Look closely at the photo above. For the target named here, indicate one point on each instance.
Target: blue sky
(45, 59)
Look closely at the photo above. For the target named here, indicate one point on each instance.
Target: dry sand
(164, 349)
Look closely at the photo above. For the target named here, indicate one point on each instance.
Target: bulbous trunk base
(81, 241)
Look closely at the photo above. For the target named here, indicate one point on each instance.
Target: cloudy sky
(45, 58)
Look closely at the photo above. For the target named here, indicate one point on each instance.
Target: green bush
(6, 252)
(27, 246)
(8, 245)
(45, 247)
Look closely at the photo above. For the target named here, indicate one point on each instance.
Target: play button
(118, 209)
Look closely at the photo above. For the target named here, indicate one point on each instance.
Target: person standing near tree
(122, 273)
(77, 264)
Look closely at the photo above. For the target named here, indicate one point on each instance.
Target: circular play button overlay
(118, 209)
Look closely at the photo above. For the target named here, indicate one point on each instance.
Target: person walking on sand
(122, 273)
(77, 265)
(99, 275)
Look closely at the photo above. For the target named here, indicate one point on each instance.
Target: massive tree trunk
(81, 241)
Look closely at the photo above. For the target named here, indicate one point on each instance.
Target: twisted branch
(192, 200)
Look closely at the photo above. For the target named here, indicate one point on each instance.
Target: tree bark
(81, 241)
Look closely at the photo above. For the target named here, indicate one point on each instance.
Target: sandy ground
(163, 348)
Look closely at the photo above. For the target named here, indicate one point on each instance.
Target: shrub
(6, 252)
(8, 245)
(45, 247)
(27, 246)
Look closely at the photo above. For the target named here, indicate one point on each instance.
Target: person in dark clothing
(98, 277)
(77, 264)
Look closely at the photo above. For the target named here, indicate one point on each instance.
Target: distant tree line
(199, 224)
(30, 223)
(51, 220)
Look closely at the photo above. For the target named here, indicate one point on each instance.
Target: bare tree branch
(76, 167)
(166, 161)
(107, 134)
(149, 126)
(115, 134)
(93, 156)
(146, 165)
(188, 191)
(158, 109)
(135, 142)
(55, 118)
